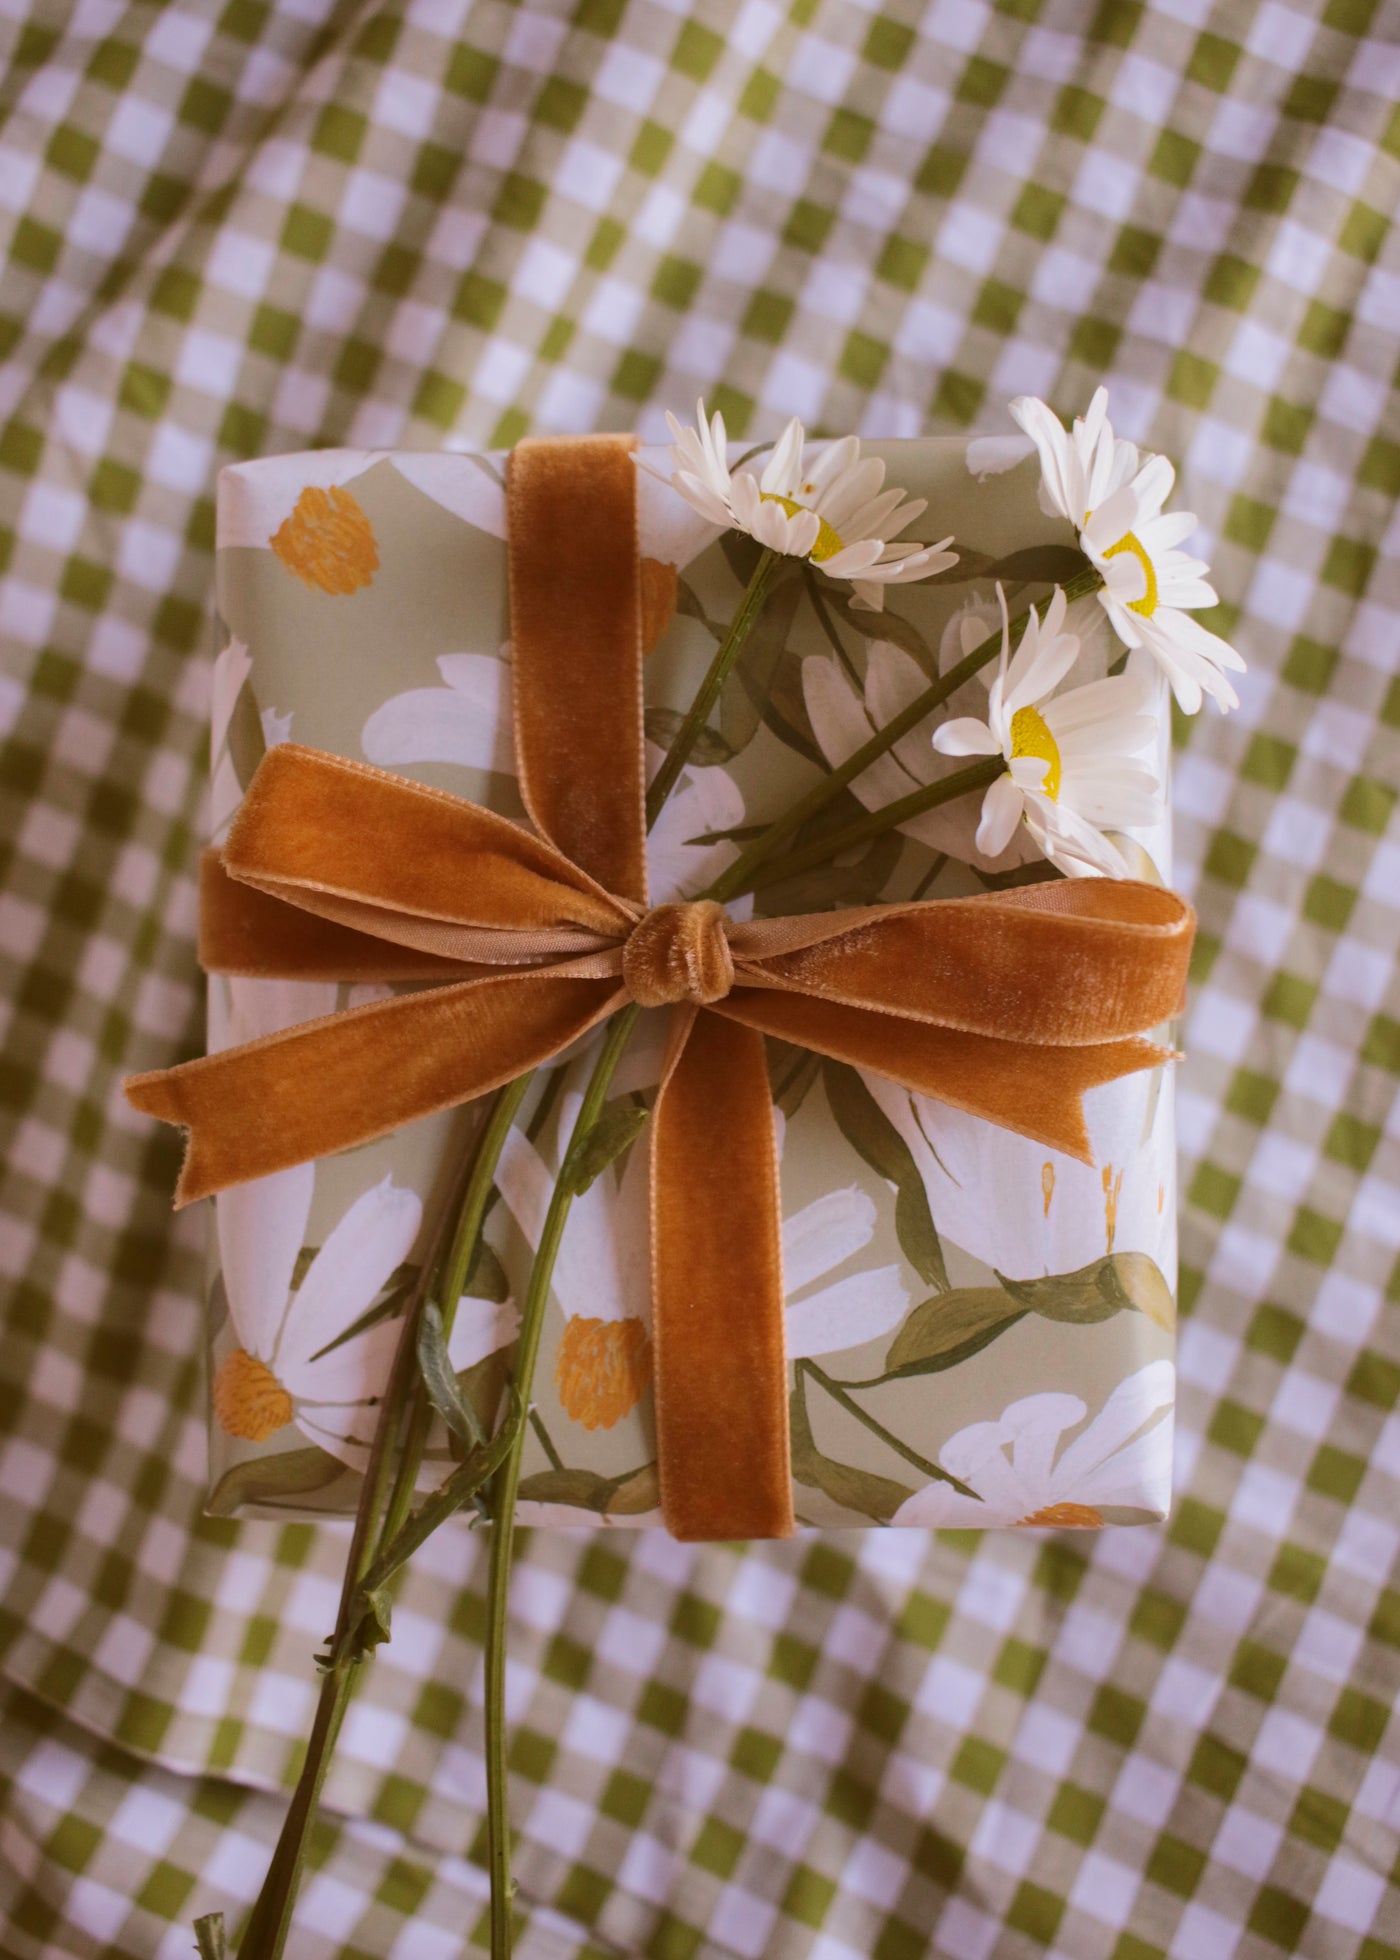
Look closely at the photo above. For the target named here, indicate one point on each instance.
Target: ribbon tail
(1035, 1089)
(717, 1280)
(348, 1078)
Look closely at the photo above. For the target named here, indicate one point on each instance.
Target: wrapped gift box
(959, 1299)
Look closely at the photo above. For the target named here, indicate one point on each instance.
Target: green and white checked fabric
(233, 228)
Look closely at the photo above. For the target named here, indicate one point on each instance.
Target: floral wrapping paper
(980, 1331)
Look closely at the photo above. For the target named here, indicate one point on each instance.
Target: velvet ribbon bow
(1008, 1006)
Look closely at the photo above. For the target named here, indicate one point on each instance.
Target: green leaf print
(950, 1328)
(870, 1132)
(854, 1490)
(1124, 1281)
(294, 1473)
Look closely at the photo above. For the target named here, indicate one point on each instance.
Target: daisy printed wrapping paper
(362, 610)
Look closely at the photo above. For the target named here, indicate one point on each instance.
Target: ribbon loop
(679, 953)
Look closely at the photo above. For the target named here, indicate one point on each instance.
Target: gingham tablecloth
(234, 228)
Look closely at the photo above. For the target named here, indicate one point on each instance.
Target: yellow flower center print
(828, 542)
(1065, 1517)
(1112, 1189)
(1030, 735)
(602, 1369)
(249, 1401)
(1147, 604)
(328, 542)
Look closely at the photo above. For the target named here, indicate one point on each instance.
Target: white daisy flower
(1074, 762)
(1114, 500)
(845, 713)
(831, 509)
(1024, 1473)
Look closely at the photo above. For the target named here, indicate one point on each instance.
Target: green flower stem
(978, 775)
(740, 875)
(385, 1495)
(456, 1274)
(508, 1481)
(728, 651)
(265, 1935)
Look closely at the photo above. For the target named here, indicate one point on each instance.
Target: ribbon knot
(679, 953)
(1008, 1006)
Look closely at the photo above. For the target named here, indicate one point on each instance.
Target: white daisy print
(1075, 762)
(831, 508)
(1114, 499)
(468, 721)
(1024, 1472)
(231, 670)
(603, 1279)
(291, 1362)
(1053, 1213)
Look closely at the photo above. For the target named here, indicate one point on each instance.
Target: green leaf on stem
(616, 1130)
(664, 724)
(266, 1479)
(209, 1939)
(1121, 1282)
(950, 1328)
(374, 1627)
(871, 1134)
(854, 1490)
(440, 1378)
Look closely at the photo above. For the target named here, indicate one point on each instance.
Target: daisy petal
(375, 1235)
(1001, 812)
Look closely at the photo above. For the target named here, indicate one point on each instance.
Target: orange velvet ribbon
(1007, 1006)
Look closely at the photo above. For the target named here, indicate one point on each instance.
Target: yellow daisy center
(1065, 1517)
(1030, 735)
(1147, 604)
(602, 1369)
(328, 541)
(828, 542)
(249, 1401)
